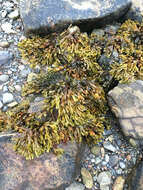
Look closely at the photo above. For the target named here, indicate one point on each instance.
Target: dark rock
(126, 102)
(135, 178)
(136, 11)
(44, 16)
(48, 172)
(5, 57)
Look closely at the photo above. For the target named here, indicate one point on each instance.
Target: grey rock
(5, 58)
(126, 102)
(24, 73)
(5, 88)
(97, 160)
(7, 98)
(109, 146)
(76, 186)
(104, 178)
(46, 16)
(46, 172)
(4, 44)
(113, 160)
(14, 14)
(135, 177)
(122, 165)
(4, 78)
(1, 104)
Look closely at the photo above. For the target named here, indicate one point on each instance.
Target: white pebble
(7, 98)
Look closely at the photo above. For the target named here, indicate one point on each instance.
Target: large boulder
(126, 102)
(48, 172)
(44, 16)
(135, 178)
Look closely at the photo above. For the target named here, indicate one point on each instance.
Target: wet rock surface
(46, 172)
(126, 102)
(44, 16)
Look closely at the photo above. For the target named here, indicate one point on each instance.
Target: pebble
(7, 28)
(4, 78)
(4, 44)
(14, 14)
(104, 178)
(1, 104)
(7, 98)
(75, 186)
(119, 183)
(5, 57)
(109, 146)
(122, 165)
(87, 178)
(113, 160)
(17, 87)
(95, 150)
(13, 104)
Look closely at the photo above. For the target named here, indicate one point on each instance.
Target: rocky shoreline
(106, 165)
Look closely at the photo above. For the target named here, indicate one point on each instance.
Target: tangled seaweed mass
(72, 83)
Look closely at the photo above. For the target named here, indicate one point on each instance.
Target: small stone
(97, 160)
(106, 158)
(11, 88)
(17, 88)
(104, 178)
(5, 88)
(119, 171)
(4, 78)
(13, 104)
(95, 150)
(24, 73)
(122, 165)
(104, 187)
(119, 183)
(87, 178)
(75, 186)
(98, 32)
(7, 98)
(7, 28)
(109, 146)
(4, 13)
(113, 160)
(14, 14)
(1, 104)
(21, 67)
(4, 44)
(133, 142)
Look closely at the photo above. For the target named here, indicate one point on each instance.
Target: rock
(109, 146)
(104, 187)
(1, 104)
(5, 57)
(113, 160)
(75, 186)
(126, 102)
(87, 178)
(135, 178)
(44, 16)
(97, 160)
(7, 28)
(104, 178)
(14, 14)
(17, 87)
(136, 11)
(4, 44)
(46, 172)
(119, 183)
(4, 78)
(13, 104)
(122, 165)
(96, 150)
(7, 98)
(24, 73)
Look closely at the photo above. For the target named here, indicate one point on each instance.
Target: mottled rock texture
(48, 172)
(44, 16)
(126, 102)
(135, 178)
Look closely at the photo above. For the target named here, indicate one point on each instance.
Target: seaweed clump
(74, 106)
(71, 82)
